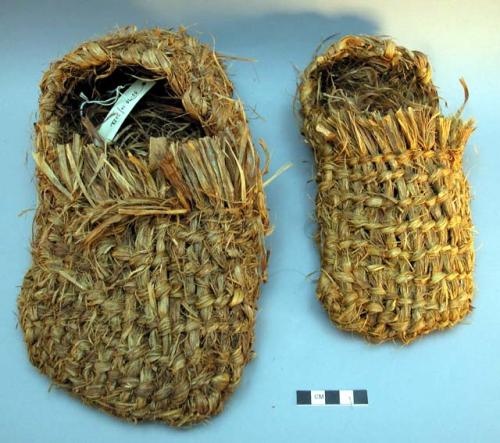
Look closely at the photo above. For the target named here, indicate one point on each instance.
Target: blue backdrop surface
(445, 387)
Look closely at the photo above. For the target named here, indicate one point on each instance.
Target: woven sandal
(393, 204)
(148, 251)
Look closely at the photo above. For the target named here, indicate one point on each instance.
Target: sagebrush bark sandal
(393, 204)
(148, 246)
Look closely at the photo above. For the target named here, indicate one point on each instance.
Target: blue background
(445, 387)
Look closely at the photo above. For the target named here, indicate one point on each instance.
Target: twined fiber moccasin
(393, 204)
(148, 242)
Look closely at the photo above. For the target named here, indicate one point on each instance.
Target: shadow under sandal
(393, 204)
(148, 251)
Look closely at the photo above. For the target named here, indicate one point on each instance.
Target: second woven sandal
(393, 204)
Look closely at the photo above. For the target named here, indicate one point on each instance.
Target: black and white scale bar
(356, 397)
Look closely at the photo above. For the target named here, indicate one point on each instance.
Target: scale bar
(341, 397)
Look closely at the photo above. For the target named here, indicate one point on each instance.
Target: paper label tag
(121, 109)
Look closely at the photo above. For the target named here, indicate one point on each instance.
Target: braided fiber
(141, 297)
(395, 229)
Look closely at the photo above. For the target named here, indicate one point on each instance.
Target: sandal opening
(160, 113)
(372, 84)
